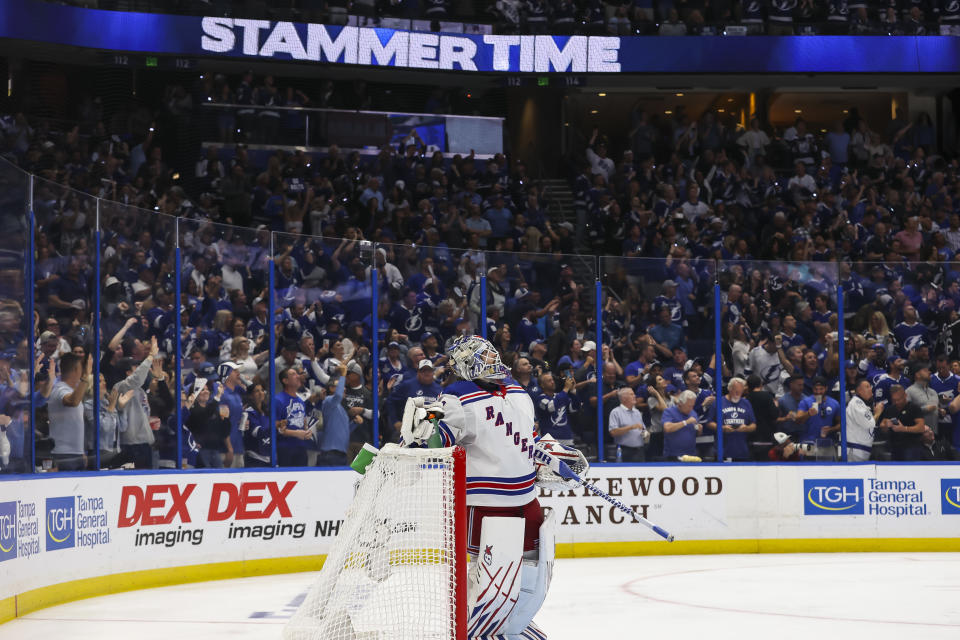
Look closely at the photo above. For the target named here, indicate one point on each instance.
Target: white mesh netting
(391, 571)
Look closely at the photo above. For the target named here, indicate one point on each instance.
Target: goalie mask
(474, 358)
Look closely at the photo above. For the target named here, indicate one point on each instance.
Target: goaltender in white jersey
(495, 426)
(492, 418)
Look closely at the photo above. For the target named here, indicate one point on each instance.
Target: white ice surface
(907, 596)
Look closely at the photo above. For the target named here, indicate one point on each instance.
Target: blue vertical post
(96, 338)
(598, 290)
(272, 342)
(178, 341)
(483, 306)
(718, 368)
(841, 336)
(31, 342)
(375, 329)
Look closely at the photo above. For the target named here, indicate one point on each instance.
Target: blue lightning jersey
(738, 414)
(553, 413)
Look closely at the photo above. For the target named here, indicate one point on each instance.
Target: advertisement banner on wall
(55, 529)
(98, 525)
(721, 502)
(680, 499)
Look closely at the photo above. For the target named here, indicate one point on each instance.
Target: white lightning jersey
(861, 426)
(496, 431)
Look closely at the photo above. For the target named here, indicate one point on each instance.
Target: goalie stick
(565, 471)
(619, 505)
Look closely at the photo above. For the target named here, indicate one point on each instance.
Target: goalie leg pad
(532, 632)
(537, 575)
(494, 577)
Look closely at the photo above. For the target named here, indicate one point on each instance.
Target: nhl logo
(488, 555)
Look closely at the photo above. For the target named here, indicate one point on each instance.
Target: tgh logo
(833, 497)
(61, 523)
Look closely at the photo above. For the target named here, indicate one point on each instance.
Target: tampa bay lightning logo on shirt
(560, 417)
(295, 414)
(912, 342)
(784, 6)
(676, 312)
(414, 322)
(771, 374)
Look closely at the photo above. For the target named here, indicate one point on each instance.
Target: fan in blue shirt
(737, 420)
(681, 427)
(294, 437)
(823, 410)
(910, 332)
(554, 408)
(883, 382)
(668, 298)
(945, 384)
(667, 333)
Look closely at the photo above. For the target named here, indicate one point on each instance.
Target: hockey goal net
(397, 570)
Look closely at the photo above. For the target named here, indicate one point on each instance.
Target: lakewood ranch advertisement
(766, 502)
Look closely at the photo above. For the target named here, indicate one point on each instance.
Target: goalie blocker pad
(548, 478)
(505, 589)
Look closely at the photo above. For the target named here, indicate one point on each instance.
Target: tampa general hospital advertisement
(63, 528)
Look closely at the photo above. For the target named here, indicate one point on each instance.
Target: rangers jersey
(495, 428)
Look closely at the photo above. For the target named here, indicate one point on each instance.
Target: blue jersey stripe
(529, 476)
(500, 492)
(446, 434)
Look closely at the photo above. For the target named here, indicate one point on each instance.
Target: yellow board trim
(64, 592)
(795, 545)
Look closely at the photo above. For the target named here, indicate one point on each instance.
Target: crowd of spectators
(601, 17)
(872, 211)
(322, 286)
(869, 210)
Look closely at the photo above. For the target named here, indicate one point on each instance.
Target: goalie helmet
(474, 358)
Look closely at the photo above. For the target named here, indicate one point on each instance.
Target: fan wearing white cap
(388, 272)
(668, 298)
(207, 421)
(588, 370)
(785, 449)
(232, 398)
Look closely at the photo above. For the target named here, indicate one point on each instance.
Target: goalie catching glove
(420, 417)
(550, 476)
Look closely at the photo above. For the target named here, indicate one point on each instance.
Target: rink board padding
(70, 536)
